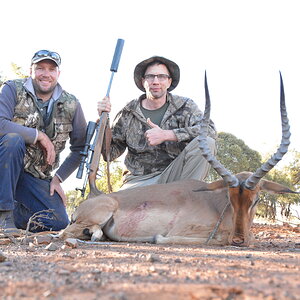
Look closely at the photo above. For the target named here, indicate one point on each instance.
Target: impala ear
(275, 188)
(213, 186)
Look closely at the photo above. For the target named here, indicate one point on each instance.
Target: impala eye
(86, 231)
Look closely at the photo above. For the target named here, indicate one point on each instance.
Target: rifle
(90, 156)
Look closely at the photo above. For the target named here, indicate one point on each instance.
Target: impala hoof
(237, 241)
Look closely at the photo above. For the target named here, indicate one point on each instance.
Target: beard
(43, 90)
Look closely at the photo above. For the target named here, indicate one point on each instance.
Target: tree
(235, 155)
(269, 203)
(294, 168)
(18, 71)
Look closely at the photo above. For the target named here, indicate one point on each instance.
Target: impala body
(183, 212)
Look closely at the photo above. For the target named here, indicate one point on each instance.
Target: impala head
(244, 188)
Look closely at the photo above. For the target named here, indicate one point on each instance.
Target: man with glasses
(158, 129)
(37, 117)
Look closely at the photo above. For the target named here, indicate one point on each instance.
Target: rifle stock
(96, 149)
(102, 123)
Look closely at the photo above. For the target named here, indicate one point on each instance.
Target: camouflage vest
(26, 113)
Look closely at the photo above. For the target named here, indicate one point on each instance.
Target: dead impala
(184, 212)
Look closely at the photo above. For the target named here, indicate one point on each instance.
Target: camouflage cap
(46, 54)
(140, 69)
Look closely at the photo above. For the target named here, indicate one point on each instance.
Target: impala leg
(97, 233)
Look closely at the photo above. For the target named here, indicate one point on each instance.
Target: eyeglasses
(44, 54)
(160, 77)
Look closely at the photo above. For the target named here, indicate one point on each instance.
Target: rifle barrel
(115, 62)
(110, 82)
(117, 55)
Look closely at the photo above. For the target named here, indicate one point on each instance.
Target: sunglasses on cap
(46, 54)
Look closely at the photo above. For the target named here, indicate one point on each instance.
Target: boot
(7, 224)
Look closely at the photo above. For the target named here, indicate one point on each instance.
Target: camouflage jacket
(26, 113)
(182, 116)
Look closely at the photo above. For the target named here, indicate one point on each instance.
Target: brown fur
(183, 212)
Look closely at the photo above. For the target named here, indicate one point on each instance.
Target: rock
(71, 242)
(5, 241)
(2, 257)
(7, 264)
(64, 272)
(31, 247)
(42, 239)
(51, 247)
(152, 258)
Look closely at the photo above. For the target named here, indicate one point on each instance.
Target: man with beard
(37, 117)
(159, 130)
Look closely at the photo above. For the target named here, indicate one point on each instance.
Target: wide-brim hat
(140, 69)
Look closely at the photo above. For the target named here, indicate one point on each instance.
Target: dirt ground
(50, 269)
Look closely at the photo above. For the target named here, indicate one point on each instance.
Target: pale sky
(241, 44)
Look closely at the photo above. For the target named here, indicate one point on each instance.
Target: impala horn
(230, 179)
(253, 180)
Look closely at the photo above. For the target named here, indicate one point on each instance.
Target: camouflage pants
(190, 164)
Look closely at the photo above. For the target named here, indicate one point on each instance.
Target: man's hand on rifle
(104, 105)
